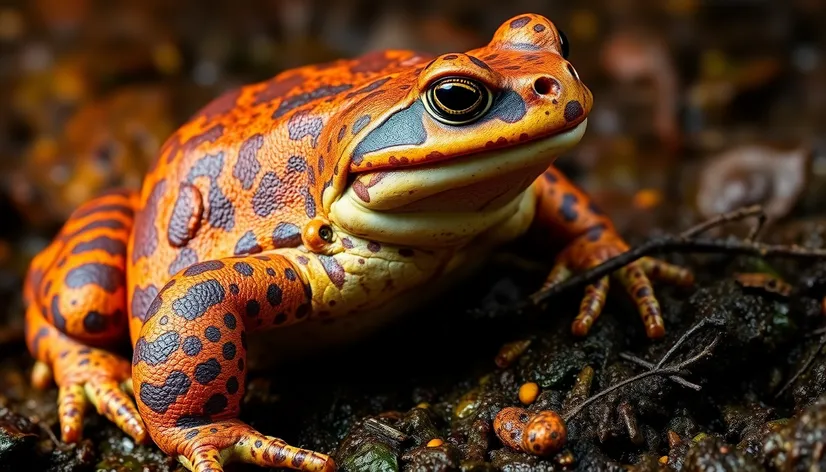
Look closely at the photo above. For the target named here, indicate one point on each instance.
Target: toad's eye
(457, 100)
(563, 45)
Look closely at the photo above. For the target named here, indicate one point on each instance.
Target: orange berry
(435, 442)
(528, 393)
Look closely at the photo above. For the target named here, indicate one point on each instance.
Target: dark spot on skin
(360, 124)
(271, 272)
(373, 246)
(274, 295)
(141, 300)
(106, 244)
(192, 346)
(247, 166)
(160, 397)
(539, 28)
(550, 177)
(258, 443)
(594, 208)
(309, 203)
(520, 22)
(233, 289)
(289, 274)
(222, 105)
(277, 88)
(347, 243)
(333, 269)
(479, 62)
(450, 57)
(198, 299)
(232, 386)
(108, 278)
(209, 136)
(99, 224)
(296, 101)
(361, 191)
(83, 362)
(192, 421)
(213, 334)
(186, 216)
(270, 195)
(643, 292)
(280, 318)
(595, 232)
(96, 323)
(341, 132)
(154, 308)
(253, 308)
(320, 165)
(508, 107)
(164, 320)
(206, 372)
(296, 164)
(298, 459)
(158, 351)
(191, 434)
(203, 267)
(221, 211)
(229, 351)
(302, 124)
(243, 268)
(286, 235)
(248, 244)
(185, 258)
(369, 88)
(57, 317)
(573, 110)
(216, 404)
(83, 212)
(567, 210)
(230, 321)
(405, 127)
(371, 62)
(41, 333)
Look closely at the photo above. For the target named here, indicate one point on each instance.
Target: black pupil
(456, 98)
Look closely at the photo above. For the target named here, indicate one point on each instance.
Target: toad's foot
(595, 247)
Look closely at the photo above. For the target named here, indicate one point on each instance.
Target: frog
(330, 192)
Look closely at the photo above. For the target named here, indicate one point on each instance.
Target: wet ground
(696, 114)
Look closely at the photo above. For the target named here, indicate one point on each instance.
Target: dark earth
(696, 102)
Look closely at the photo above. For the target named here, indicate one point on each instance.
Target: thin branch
(723, 218)
(676, 244)
(648, 365)
(658, 369)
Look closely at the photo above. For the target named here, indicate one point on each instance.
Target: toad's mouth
(479, 182)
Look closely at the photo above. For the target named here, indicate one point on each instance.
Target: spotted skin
(282, 203)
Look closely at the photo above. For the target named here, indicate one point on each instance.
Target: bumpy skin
(329, 190)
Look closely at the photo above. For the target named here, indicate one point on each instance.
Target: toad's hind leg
(75, 294)
(189, 361)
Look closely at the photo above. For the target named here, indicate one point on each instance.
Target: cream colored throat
(451, 201)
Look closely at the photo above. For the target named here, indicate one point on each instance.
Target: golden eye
(457, 100)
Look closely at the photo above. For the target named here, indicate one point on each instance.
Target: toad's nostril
(546, 86)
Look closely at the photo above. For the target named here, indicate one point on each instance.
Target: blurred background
(701, 105)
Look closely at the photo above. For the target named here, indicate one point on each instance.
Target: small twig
(700, 324)
(387, 431)
(675, 244)
(644, 363)
(723, 218)
(804, 368)
(754, 234)
(659, 369)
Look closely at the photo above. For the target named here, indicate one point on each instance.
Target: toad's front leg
(591, 240)
(189, 362)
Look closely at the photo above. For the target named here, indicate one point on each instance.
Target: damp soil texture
(677, 89)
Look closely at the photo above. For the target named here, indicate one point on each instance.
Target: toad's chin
(450, 200)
